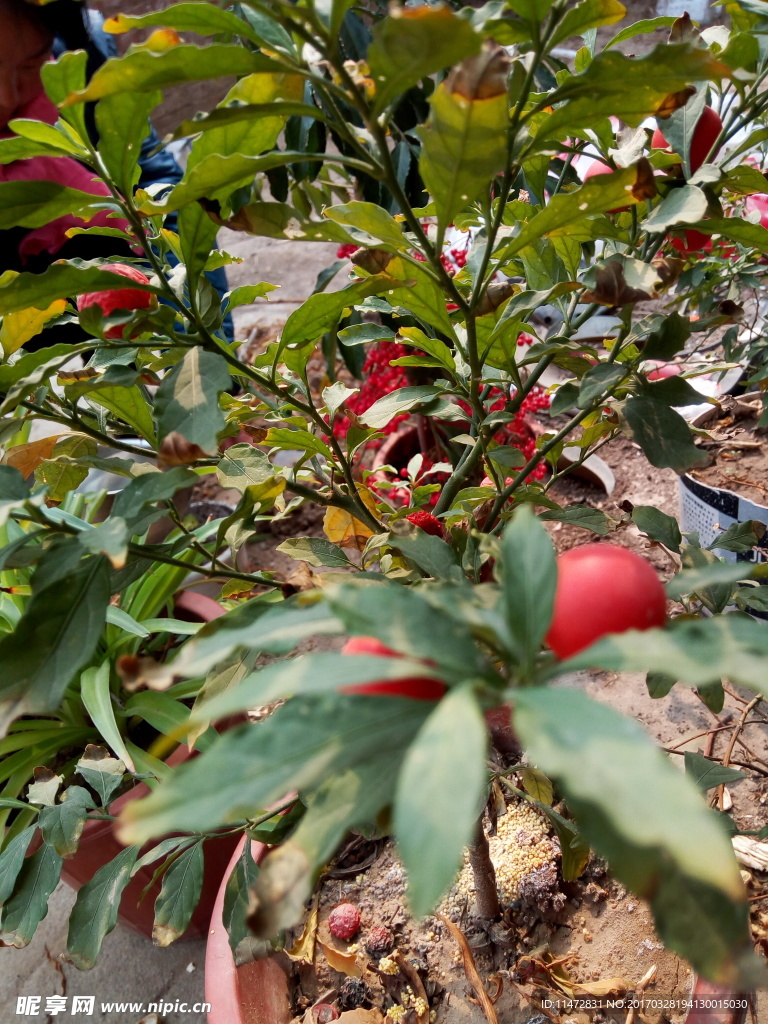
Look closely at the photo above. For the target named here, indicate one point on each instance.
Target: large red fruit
(598, 167)
(694, 241)
(417, 687)
(704, 135)
(119, 299)
(602, 589)
(759, 203)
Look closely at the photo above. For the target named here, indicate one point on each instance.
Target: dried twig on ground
(471, 970)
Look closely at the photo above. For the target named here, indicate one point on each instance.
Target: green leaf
(310, 674)
(751, 236)
(693, 651)
(264, 627)
(122, 121)
(243, 466)
(643, 27)
(61, 473)
(103, 773)
(109, 538)
(160, 710)
(649, 815)
(739, 537)
(297, 748)
(187, 401)
(237, 899)
(151, 487)
(581, 515)
(371, 219)
(335, 395)
(361, 334)
(662, 433)
(701, 924)
(599, 380)
(293, 440)
(186, 17)
(587, 15)
(58, 281)
(55, 637)
(219, 681)
(414, 43)
(14, 491)
(62, 823)
(246, 294)
(28, 905)
(566, 210)
(440, 796)
(537, 785)
(574, 851)
(397, 402)
(464, 143)
(96, 696)
(658, 526)
(659, 684)
(431, 554)
(32, 204)
(404, 620)
(668, 336)
(686, 205)
(94, 914)
(12, 861)
(679, 127)
(179, 895)
(707, 774)
(321, 311)
(143, 70)
(529, 577)
(128, 404)
(316, 551)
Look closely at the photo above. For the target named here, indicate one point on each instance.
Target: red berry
(694, 241)
(379, 942)
(417, 687)
(426, 522)
(602, 589)
(324, 1013)
(118, 299)
(344, 921)
(705, 133)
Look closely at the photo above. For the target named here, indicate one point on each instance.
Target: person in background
(30, 36)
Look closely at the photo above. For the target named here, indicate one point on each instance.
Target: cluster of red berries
(401, 495)
(379, 379)
(345, 251)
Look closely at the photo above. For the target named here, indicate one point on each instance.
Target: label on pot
(709, 511)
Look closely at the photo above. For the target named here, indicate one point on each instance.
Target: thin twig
(471, 970)
(719, 792)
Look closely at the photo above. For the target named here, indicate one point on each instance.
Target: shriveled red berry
(426, 522)
(353, 993)
(324, 1013)
(379, 942)
(344, 921)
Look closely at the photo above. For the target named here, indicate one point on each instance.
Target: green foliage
(381, 139)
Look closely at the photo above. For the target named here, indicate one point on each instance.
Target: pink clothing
(62, 169)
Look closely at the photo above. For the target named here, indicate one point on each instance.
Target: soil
(737, 450)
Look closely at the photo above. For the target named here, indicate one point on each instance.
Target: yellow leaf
(345, 963)
(24, 325)
(342, 528)
(304, 947)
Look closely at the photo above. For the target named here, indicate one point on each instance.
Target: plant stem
(484, 874)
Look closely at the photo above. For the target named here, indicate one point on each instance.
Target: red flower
(426, 522)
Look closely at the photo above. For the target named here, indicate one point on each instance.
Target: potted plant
(460, 584)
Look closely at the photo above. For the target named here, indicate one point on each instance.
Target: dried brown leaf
(304, 947)
(673, 101)
(137, 673)
(483, 76)
(176, 450)
(345, 963)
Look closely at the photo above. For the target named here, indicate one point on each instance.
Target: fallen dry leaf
(361, 1016)
(304, 947)
(346, 963)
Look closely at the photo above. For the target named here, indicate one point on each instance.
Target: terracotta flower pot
(98, 844)
(256, 993)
